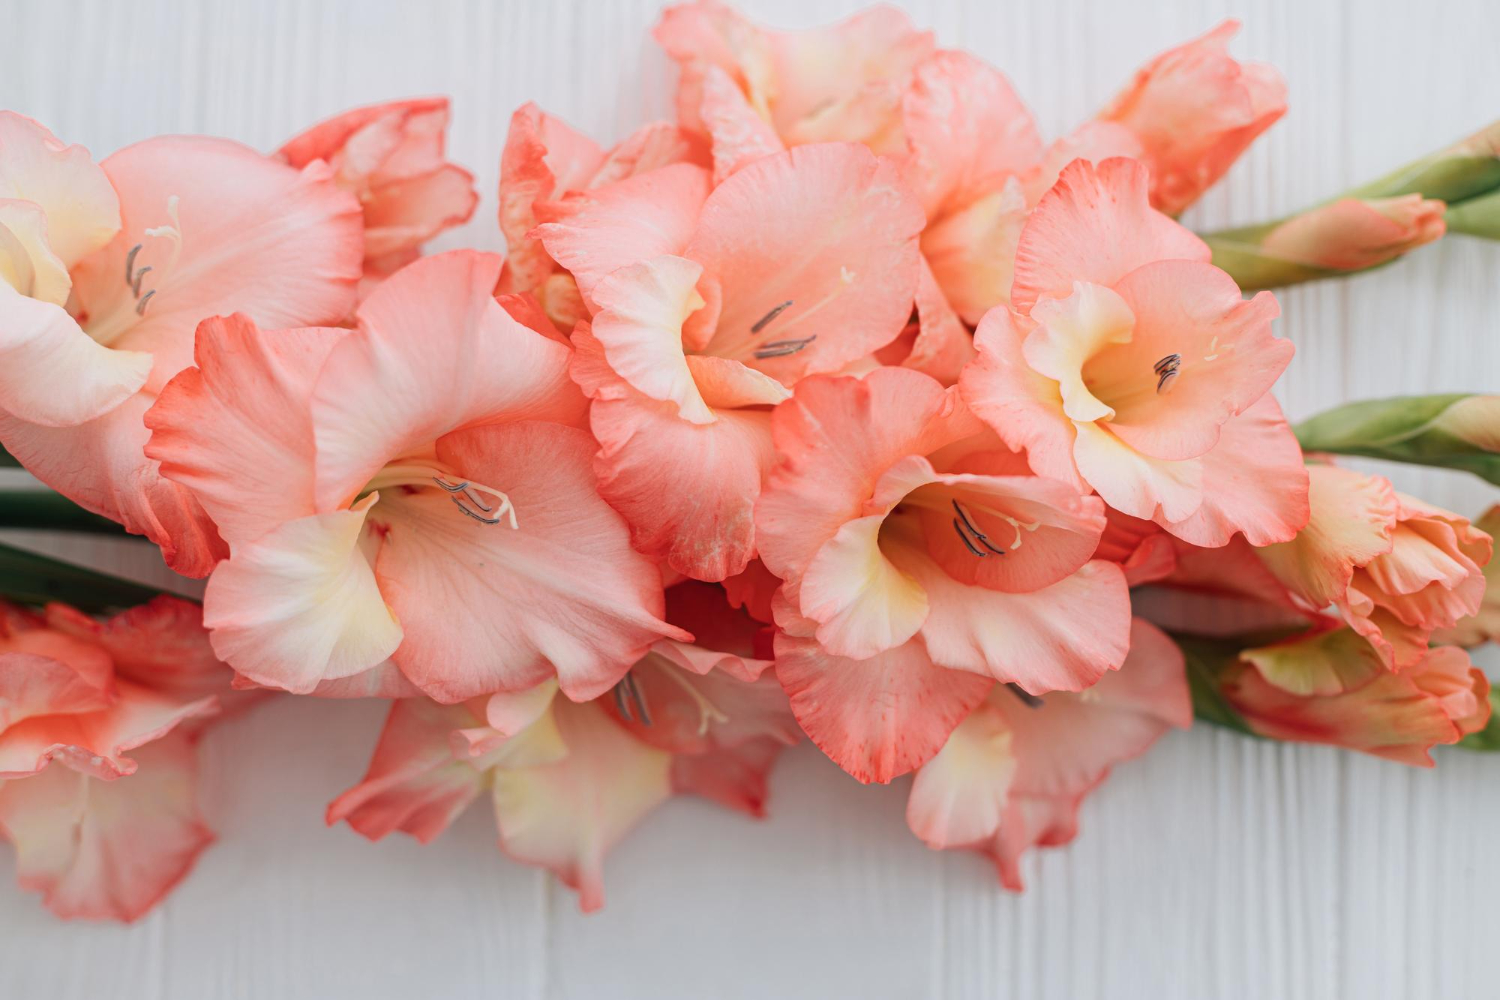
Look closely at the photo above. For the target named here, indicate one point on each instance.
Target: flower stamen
(1166, 372)
(765, 320)
(486, 514)
(782, 348)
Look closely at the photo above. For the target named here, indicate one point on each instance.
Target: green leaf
(1207, 659)
(28, 578)
(8, 461)
(1452, 430)
(1487, 740)
(42, 508)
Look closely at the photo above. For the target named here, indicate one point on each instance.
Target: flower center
(484, 504)
(143, 282)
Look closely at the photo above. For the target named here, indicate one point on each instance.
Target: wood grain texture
(1215, 867)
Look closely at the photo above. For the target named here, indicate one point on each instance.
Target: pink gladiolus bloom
(104, 273)
(1395, 568)
(1129, 365)
(415, 489)
(839, 83)
(1352, 235)
(977, 161)
(1440, 698)
(1195, 110)
(390, 156)
(707, 307)
(545, 160)
(103, 835)
(1484, 624)
(922, 562)
(1014, 772)
(568, 781)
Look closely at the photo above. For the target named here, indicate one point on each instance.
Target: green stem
(44, 509)
(29, 578)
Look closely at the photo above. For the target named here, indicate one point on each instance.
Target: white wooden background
(1215, 867)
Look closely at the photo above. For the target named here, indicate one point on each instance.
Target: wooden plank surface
(1215, 867)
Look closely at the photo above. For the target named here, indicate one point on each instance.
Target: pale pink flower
(546, 159)
(415, 489)
(1129, 365)
(1484, 624)
(567, 781)
(106, 272)
(1195, 109)
(390, 157)
(1438, 699)
(1396, 569)
(838, 83)
(100, 834)
(922, 562)
(1013, 774)
(707, 305)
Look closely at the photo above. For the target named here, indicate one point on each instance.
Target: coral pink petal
(488, 607)
(237, 429)
(256, 236)
(966, 129)
(1096, 225)
(594, 232)
(879, 717)
(73, 194)
(95, 743)
(1253, 480)
(738, 135)
(414, 783)
(836, 438)
(54, 374)
(565, 815)
(300, 605)
(1060, 638)
(816, 242)
(1228, 358)
(107, 850)
(434, 352)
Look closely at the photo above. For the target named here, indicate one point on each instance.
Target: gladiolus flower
(545, 160)
(108, 269)
(1440, 698)
(416, 488)
(1484, 624)
(1195, 109)
(1129, 365)
(1015, 771)
(707, 307)
(839, 83)
(1352, 235)
(1395, 568)
(921, 564)
(100, 834)
(568, 781)
(390, 157)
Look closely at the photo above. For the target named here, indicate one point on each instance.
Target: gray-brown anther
(782, 348)
(761, 323)
(1166, 372)
(627, 693)
(480, 511)
(970, 535)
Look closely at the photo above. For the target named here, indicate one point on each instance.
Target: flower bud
(1455, 431)
(1195, 109)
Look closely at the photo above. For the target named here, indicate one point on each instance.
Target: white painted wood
(1215, 867)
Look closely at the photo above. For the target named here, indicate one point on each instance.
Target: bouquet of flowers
(843, 406)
